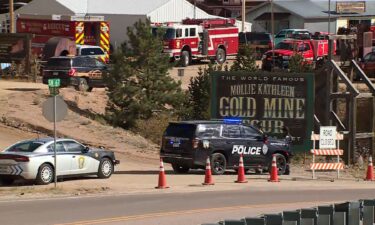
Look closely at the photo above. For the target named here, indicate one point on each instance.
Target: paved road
(168, 208)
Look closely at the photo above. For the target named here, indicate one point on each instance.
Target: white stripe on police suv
(242, 149)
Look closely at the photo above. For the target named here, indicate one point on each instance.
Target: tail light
(72, 72)
(270, 44)
(17, 158)
(265, 140)
(195, 143)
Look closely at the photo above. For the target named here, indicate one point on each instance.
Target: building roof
(316, 9)
(79, 7)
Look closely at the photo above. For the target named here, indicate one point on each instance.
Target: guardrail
(361, 212)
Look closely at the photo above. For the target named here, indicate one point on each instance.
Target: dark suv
(259, 41)
(187, 145)
(84, 73)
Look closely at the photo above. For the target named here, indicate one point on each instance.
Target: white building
(310, 14)
(120, 13)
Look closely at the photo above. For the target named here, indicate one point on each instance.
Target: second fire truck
(196, 39)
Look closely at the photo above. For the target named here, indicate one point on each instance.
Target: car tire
(218, 164)
(6, 181)
(83, 85)
(185, 58)
(45, 175)
(281, 164)
(105, 169)
(177, 168)
(220, 56)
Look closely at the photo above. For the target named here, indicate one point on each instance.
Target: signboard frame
(221, 81)
(351, 7)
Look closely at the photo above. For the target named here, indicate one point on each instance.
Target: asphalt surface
(169, 208)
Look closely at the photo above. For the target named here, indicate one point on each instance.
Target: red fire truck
(88, 30)
(195, 39)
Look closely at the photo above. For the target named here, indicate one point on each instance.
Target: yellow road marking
(182, 212)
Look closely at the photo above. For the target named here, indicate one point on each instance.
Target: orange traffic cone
(208, 176)
(241, 172)
(162, 179)
(274, 171)
(370, 170)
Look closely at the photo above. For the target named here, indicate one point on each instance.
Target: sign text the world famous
(274, 101)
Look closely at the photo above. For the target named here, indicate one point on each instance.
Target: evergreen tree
(298, 65)
(139, 83)
(245, 60)
(197, 104)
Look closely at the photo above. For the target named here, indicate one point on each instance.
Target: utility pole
(273, 38)
(329, 17)
(243, 14)
(11, 17)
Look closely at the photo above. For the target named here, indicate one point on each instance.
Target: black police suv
(187, 144)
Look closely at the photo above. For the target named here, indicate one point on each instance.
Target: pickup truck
(311, 50)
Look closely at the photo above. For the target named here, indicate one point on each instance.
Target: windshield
(180, 130)
(58, 62)
(92, 51)
(25, 146)
(285, 46)
(168, 33)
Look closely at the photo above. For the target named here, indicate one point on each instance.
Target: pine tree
(245, 60)
(197, 104)
(139, 83)
(298, 65)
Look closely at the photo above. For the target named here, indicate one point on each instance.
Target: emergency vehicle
(312, 51)
(187, 144)
(196, 39)
(84, 30)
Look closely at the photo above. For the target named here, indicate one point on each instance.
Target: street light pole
(243, 14)
(11, 17)
(272, 34)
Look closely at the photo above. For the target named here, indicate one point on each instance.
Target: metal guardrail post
(368, 212)
(309, 216)
(291, 218)
(339, 218)
(254, 221)
(273, 219)
(325, 215)
(351, 210)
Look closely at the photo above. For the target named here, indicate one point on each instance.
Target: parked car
(84, 73)
(92, 51)
(289, 33)
(259, 41)
(34, 160)
(367, 64)
(187, 144)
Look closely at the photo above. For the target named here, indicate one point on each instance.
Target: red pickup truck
(311, 50)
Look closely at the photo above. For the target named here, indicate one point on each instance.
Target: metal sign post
(54, 84)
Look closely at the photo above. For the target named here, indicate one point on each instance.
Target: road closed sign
(327, 137)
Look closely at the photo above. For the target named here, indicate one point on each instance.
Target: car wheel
(280, 164)
(220, 56)
(83, 85)
(185, 58)
(218, 164)
(45, 174)
(105, 168)
(6, 181)
(177, 168)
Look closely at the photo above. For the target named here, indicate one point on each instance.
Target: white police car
(34, 160)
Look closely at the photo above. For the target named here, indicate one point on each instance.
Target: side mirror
(86, 149)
